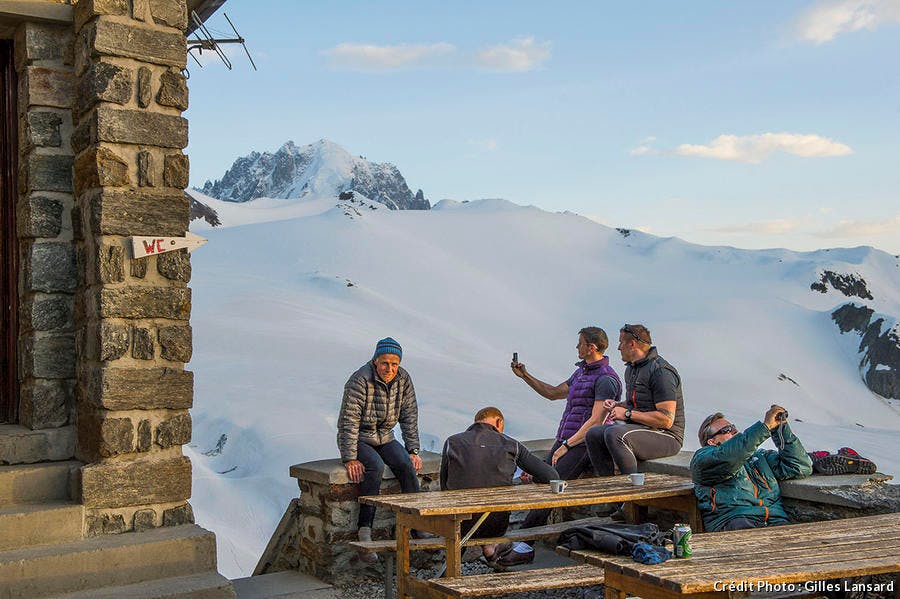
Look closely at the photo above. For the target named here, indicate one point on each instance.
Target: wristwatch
(628, 415)
(413, 452)
(565, 444)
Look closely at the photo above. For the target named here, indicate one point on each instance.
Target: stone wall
(48, 281)
(133, 393)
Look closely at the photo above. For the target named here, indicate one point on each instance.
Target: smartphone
(782, 417)
(515, 357)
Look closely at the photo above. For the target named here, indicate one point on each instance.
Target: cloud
(641, 150)
(765, 227)
(756, 148)
(858, 228)
(828, 19)
(520, 55)
(369, 57)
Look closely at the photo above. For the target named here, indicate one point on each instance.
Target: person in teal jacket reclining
(736, 483)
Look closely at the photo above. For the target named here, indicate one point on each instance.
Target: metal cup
(558, 486)
(637, 478)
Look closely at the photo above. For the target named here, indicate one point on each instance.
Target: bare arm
(543, 389)
(662, 417)
(598, 415)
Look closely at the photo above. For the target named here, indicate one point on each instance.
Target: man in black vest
(650, 419)
(482, 456)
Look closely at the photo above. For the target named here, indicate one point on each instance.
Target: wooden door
(9, 386)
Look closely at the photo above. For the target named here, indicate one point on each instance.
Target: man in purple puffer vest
(585, 392)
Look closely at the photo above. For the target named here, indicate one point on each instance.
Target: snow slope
(285, 310)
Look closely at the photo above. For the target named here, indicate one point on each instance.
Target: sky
(755, 125)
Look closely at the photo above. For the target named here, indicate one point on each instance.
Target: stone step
(21, 445)
(29, 524)
(283, 585)
(106, 561)
(31, 483)
(208, 585)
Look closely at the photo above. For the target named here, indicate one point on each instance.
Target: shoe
(618, 515)
(514, 558)
(818, 455)
(365, 534)
(421, 534)
(838, 463)
(848, 451)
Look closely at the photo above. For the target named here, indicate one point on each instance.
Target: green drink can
(681, 537)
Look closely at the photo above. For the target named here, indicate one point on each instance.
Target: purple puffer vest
(580, 399)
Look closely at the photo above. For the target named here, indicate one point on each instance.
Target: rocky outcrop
(849, 284)
(200, 210)
(322, 169)
(879, 346)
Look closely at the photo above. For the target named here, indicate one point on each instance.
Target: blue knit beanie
(388, 346)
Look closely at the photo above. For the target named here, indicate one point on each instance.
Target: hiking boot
(514, 558)
(365, 534)
(838, 463)
(817, 455)
(619, 514)
(849, 451)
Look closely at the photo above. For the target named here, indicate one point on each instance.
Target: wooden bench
(518, 582)
(389, 546)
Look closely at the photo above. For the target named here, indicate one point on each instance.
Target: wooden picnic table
(781, 559)
(440, 512)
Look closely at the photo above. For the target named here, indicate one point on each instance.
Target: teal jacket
(737, 479)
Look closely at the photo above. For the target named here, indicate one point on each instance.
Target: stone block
(138, 482)
(116, 436)
(48, 172)
(175, 266)
(85, 10)
(50, 267)
(100, 167)
(183, 514)
(173, 90)
(145, 87)
(40, 216)
(48, 312)
(139, 267)
(113, 340)
(145, 302)
(147, 44)
(42, 41)
(45, 403)
(141, 388)
(174, 431)
(48, 87)
(176, 170)
(139, 213)
(145, 165)
(172, 13)
(111, 263)
(175, 343)
(104, 82)
(141, 127)
(144, 520)
(48, 357)
(145, 438)
(43, 129)
(104, 524)
(142, 344)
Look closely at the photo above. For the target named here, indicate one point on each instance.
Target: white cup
(558, 486)
(637, 478)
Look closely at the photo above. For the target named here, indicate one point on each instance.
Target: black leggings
(622, 445)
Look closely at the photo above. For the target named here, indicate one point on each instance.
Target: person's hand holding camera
(775, 417)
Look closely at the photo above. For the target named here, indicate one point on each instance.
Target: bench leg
(389, 576)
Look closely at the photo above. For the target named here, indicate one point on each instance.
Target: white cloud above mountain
(765, 227)
(371, 57)
(520, 55)
(824, 21)
(856, 228)
(756, 148)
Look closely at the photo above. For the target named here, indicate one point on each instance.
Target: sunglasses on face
(630, 331)
(725, 430)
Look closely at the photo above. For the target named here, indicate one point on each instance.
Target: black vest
(640, 381)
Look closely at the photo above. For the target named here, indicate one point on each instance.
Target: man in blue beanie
(376, 397)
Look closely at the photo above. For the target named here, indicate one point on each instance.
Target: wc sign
(143, 246)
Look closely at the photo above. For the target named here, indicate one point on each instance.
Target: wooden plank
(519, 534)
(587, 491)
(402, 531)
(519, 582)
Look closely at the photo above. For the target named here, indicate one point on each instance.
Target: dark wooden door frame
(9, 246)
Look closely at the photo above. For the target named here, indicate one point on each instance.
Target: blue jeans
(374, 459)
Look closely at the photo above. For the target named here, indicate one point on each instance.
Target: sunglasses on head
(630, 331)
(724, 430)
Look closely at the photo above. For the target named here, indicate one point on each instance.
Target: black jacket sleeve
(540, 470)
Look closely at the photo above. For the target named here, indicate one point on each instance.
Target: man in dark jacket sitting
(482, 456)
(376, 397)
(736, 484)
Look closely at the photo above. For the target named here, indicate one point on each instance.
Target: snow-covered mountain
(289, 299)
(321, 169)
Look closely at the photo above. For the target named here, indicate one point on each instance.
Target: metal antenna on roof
(205, 41)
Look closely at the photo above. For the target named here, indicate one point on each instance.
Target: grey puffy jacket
(371, 409)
